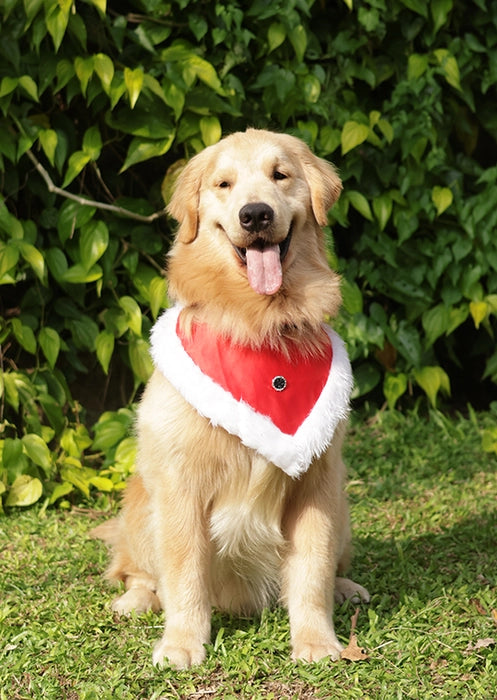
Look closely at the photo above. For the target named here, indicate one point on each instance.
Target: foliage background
(103, 101)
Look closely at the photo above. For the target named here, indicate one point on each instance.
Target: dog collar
(285, 407)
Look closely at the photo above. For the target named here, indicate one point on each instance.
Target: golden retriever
(231, 507)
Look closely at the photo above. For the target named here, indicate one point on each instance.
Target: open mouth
(263, 261)
(260, 244)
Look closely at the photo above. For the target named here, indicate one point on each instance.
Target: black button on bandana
(279, 383)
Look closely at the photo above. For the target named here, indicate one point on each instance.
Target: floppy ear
(183, 205)
(324, 183)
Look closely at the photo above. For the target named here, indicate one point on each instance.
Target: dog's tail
(107, 531)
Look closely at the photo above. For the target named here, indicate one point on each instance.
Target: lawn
(424, 505)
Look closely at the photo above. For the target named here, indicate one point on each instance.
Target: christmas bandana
(285, 407)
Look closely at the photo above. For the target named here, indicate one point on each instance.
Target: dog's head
(256, 191)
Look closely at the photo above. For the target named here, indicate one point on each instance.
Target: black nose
(256, 216)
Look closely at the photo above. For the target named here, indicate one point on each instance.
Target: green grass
(424, 506)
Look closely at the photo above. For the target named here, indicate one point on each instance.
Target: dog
(238, 498)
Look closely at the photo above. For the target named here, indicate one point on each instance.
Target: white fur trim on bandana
(292, 453)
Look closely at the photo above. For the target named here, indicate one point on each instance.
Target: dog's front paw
(346, 589)
(178, 653)
(307, 650)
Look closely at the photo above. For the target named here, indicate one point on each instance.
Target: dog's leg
(182, 556)
(314, 533)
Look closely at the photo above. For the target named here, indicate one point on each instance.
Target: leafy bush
(99, 101)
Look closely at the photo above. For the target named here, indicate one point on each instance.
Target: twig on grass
(353, 652)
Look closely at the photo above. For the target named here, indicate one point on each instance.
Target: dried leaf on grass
(479, 607)
(353, 652)
(481, 644)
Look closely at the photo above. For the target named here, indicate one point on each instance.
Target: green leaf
(366, 378)
(24, 335)
(31, 8)
(298, 39)
(312, 89)
(75, 440)
(210, 129)
(479, 311)
(72, 216)
(394, 386)
(330, 139)
(29, 86)
(9, 256)
(73, 472)
(78, 274)
(360, 204)
(65, 71)
(8, 85)
(457, 316)
(48, 141)
(417, 65)
(158, 291)
(353, 134)
(84, 71)
(440, 10)
(418, 6)
(9, 224)
(93, 243)
(133, 314)
(92, 142)
(436, 322)
(432, 380)
(25, 491)
(57, 262)
(276, 35)
(60, 490)
(141, 362)
(77, 161)
(351, 296)
(382, 207)
(49, 341)
(203, 70)
(406, 340)
(34, 258)
(133, 80)
(125, 457)
(175, 98)
(56, 19)
(104, 346)
(101, 5)
(38, 452)
(110, 429)
(84, 332)
(144, 149)
(102, 483)
(449, 65)
(386, 129)
(442, 198)
(104, 68)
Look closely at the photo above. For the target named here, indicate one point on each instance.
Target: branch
(91, 202)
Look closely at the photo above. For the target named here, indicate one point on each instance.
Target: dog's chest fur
(247, 538)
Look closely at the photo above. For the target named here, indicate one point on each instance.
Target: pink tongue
(264, 269)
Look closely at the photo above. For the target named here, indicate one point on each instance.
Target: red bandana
(283, 388)
(285, 408)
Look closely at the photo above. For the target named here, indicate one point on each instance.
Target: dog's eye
(224, 184)
(277, 175)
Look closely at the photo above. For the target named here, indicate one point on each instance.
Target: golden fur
(207, 521)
